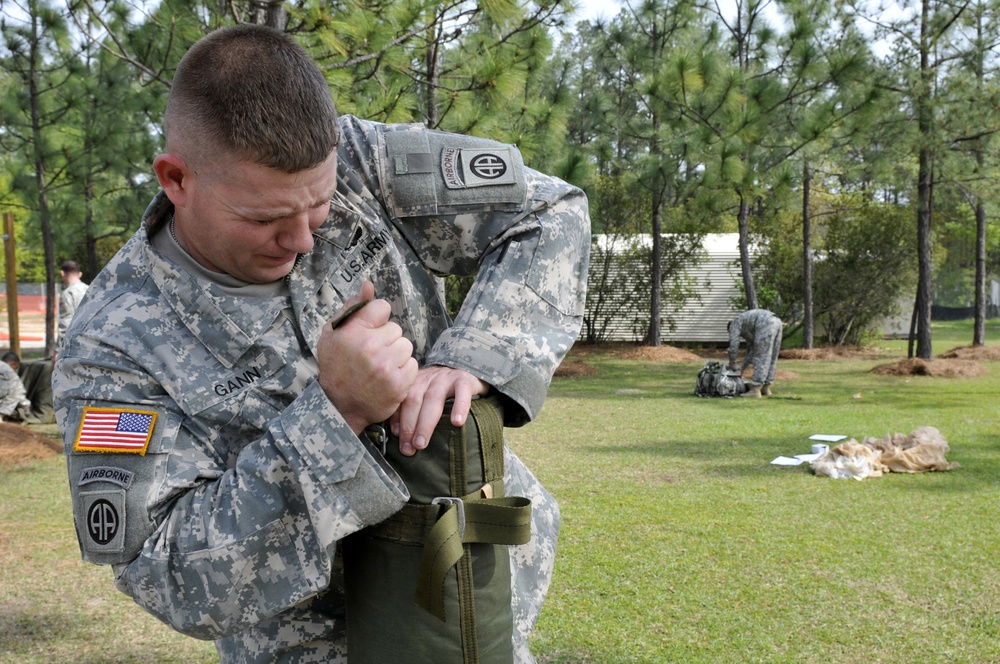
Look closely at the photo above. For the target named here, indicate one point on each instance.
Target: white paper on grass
(827, 437)
(786, 461)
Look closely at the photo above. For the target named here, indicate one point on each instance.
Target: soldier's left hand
(417, 416)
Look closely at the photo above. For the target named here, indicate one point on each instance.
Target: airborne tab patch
(115, 430)
(119, 476)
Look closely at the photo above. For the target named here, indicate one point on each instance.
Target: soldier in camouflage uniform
(762, 331)
(13, 398)
(212, 414)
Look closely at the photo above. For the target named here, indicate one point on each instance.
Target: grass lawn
(680, 542)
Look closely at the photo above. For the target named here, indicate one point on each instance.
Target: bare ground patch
(832, 353)
(941, 368)
(19, 445)
(575, 365)
(661, 354)
(575, 369)
(978, 353)
(631, 351)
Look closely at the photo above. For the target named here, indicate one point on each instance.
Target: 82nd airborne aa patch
(115, 430)
(464, 168)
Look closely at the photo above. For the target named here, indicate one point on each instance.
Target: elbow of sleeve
(157, 602)
(215, 593)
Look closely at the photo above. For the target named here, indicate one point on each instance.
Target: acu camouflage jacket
(207, 465)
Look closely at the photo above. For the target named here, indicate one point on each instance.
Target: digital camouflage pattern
(12, 393)
(69, 301)
(762, 331)
(226, 526)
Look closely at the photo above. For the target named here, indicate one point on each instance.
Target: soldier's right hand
(366, 365)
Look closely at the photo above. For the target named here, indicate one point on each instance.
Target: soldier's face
(251, 221)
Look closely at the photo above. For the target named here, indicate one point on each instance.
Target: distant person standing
(72, 293)
(761, 329)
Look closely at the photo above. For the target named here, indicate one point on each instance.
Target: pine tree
(39, 57)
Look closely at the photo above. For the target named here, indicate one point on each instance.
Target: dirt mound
(946, 368)
(19, 444)
(660, 354)
(830, 353)
(979, 353)
(631, 351)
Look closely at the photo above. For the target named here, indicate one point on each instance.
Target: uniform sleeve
(65, 312)
(12, 392)
(525, 308)
(469, 206)
(211, 545)
(735, 330)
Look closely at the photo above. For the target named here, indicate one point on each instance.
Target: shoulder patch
(119, 476)
(426, 173)
(480, 168)
(115, 430)
(103, 530)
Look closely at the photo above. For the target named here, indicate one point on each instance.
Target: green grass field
(680, 542)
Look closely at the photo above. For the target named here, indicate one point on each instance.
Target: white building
(715, 279)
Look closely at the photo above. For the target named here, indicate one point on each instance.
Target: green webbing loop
(487, 521)
(490, 425)
(473, 519)
(442, 550)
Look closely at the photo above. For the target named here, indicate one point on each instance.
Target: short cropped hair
(70, 266)
(254, 93)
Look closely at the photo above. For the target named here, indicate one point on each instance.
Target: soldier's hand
(423, 406)
(366, 365)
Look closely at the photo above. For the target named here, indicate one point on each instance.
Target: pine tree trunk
(743, 217)
(807, 298)
(924, 190)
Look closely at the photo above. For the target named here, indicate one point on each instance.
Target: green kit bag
(432, 582)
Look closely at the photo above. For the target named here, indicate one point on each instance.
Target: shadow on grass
(23, 630)
(29, 633)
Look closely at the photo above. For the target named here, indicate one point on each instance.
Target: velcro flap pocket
(428, 173)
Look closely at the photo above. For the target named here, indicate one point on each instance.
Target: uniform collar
(223, 323)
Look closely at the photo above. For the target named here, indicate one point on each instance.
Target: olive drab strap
(467, 520)
(474, 518)
(440, 565)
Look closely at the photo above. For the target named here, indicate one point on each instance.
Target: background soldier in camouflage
(13, 398)
(212, 413)
(72, 293)
(762, 331)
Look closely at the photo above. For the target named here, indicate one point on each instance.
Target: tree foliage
(676, 116)
(864, 266)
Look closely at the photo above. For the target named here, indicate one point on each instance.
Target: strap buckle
(451, 500)
(375, 433)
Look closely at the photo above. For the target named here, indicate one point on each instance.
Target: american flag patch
(115, 430)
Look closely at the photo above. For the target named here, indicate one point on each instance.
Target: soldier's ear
(175, 177)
